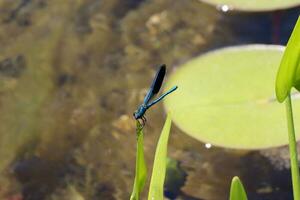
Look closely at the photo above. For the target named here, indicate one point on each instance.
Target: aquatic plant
(288, 76)
(159, 166)
(140, 166)
(237, 191)
(228, 101)
(254, 5)
(160, 162)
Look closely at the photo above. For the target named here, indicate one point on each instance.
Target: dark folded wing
(156, 83)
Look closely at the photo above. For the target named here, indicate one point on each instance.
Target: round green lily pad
(253, 5)
(227, 98)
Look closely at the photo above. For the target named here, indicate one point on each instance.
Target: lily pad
(254, 5)
(227, 98)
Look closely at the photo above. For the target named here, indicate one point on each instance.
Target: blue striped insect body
(153, 90)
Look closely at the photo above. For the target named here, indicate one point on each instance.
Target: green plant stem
(293, 149)
(140, 165)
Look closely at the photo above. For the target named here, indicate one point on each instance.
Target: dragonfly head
(135, 115)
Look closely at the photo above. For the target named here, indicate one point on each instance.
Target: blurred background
(72, 73)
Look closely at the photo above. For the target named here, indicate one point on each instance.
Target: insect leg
(141, 122)
(144, 120)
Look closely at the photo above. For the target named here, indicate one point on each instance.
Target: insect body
(153, 90)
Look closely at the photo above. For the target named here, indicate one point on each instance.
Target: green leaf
(237, 191)
(288, 75)
(255, 5)
(156, 190)
(141, 170)
(227, 98)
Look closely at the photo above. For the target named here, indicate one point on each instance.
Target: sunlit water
(73, 72)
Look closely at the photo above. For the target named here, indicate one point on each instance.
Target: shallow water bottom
(71, 75)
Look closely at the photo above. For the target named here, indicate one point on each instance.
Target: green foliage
(288, 75)
(156, 190)
(255, 5)
(141, 170)
(237, 191)
(229, 93)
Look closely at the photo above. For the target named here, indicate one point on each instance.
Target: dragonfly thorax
(140, 111)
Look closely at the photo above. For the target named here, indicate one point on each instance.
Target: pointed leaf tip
(237, 191)
(288, 74)
(156, 189)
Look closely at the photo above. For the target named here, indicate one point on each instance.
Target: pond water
(71, 74)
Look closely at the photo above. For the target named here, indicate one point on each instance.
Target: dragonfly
(153, 90)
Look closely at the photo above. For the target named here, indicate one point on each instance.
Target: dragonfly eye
(134, 115)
